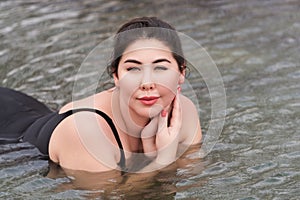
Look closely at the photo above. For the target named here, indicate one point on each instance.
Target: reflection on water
(256, 46)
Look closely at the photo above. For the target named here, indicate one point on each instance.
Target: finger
(169, 107)
(176, 119)
(150, 129)
(162, 121)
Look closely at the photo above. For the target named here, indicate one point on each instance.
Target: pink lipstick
(148, 100)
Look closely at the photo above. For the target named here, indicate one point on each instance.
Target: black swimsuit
(23, 118)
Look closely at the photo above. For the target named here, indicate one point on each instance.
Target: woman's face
(148, 77)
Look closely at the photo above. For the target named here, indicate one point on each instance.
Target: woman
(144, 113)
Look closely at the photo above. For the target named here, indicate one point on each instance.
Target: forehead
(148, 46)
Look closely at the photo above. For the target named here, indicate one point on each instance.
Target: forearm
(149, 147)
(151, 167)
(154, 166)
(165, 157)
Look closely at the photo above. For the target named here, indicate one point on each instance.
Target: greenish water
(256, 46)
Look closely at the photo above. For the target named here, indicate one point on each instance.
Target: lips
(148, 100)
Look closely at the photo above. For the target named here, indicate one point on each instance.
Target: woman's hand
(160, 140)
(148, 138)
(167, 137)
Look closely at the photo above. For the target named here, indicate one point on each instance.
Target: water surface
(256, 46)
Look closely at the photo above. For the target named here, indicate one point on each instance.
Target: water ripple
(256, 47)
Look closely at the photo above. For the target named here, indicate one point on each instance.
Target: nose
(147, 86)
(147, 83)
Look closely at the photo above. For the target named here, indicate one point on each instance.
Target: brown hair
(146, 28)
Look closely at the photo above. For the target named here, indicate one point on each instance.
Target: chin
(150, 112)
(155, 110)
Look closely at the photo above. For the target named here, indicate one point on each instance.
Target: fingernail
(163, 113)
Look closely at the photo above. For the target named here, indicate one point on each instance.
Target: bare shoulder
(185, 99)
(188, 107)
(191, 130)
(86, 102)
(98, 101)
(82, 142)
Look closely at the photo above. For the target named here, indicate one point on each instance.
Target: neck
(130, 123)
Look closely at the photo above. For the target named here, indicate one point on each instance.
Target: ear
(116, 80)
(181, 77)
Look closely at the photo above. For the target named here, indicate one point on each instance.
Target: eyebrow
(161, 60)
(133, 61)
(154, 62)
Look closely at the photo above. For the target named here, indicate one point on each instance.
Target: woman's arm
(191, 129)
(184, 128)
(79, 142)
(164, 143)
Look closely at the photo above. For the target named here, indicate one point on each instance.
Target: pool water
(256, 46)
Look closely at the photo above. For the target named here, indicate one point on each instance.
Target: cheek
(127, 89)
(167, 96)
(129, 84)
(169, 81)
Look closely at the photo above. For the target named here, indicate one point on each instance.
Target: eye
(133, 69)
(163, 68)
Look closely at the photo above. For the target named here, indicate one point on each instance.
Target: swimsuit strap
(121, 163)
